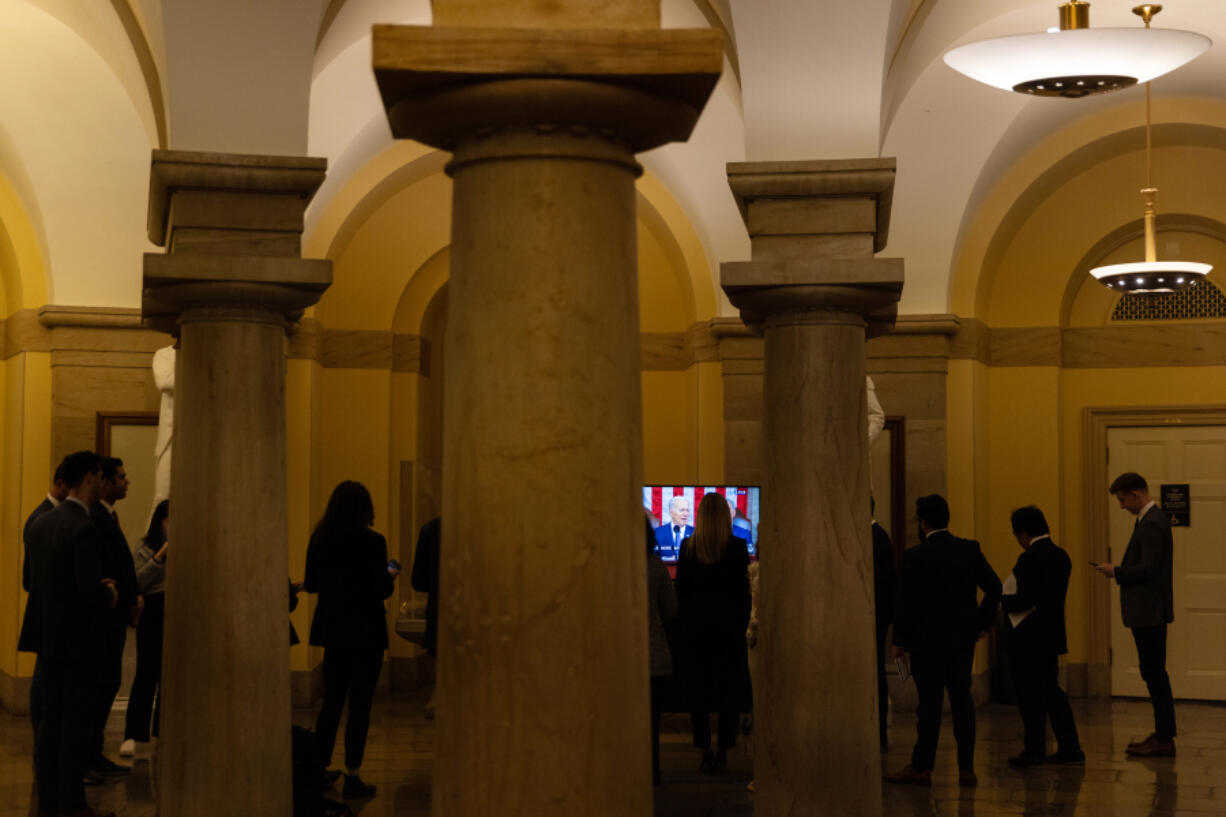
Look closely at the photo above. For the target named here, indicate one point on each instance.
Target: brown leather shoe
(1135, 743)
(909, 777)
(1153, 747)
(967, 778)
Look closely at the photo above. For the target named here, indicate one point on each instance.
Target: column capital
(833, 290)
(774, 196)
(639, 87)
(232, 226)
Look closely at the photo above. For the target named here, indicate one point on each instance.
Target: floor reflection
(399, 761)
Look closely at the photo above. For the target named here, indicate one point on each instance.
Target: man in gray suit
(1147, 604)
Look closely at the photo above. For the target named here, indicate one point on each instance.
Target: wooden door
(1196, 642)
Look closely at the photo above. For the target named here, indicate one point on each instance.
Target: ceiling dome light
(1149, 276)
(1077, 60)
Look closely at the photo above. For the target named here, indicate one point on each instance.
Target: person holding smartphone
(347, 566)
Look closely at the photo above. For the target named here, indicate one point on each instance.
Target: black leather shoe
(1024, 761)
(707, 764)
(92, 778)
(355, 789)
(720, 764)
(1067, 758)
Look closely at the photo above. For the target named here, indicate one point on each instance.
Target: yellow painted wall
(27, 473)
(13, 597)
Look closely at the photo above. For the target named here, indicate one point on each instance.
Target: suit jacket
(1147, 598)
(350, 575)
(936, 608)
(425, 578)
(664, 541)
(43, 507)
(885, 576)
(1042, 572)
(68, 602)
(117, 560)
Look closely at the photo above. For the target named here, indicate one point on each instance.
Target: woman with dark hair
(661, 606)
(144, 698)
(346, 564)
(713, 592)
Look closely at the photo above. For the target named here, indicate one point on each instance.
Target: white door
(1196, 642)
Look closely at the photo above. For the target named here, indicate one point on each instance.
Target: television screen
(672, 510)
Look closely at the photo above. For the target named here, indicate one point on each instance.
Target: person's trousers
(1040, 698)
(658, 683)
(883, 692)
(728, 724)
(65, 696)
(110, 678)
(349, 673)
(1151, 655)
(935, 672)
(145, 697)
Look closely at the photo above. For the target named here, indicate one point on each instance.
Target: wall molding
(112, 336)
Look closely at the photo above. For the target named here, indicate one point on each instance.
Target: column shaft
(816, 713)
(225, 704)
(542, 698)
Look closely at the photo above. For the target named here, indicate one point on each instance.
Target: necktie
(676, 536)
(115, 516)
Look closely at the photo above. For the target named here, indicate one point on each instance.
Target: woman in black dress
(713, 592)
(347, 566)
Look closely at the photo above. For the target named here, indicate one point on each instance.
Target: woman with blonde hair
(713, 594)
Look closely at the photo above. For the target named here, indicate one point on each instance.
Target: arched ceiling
(74, 146)
(815, 81)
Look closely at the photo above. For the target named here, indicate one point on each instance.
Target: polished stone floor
(398, 760)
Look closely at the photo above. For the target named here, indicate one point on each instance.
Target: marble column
(815, 292)
(542, 694)
(228, 286)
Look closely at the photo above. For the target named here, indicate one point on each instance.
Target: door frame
(1098, 423)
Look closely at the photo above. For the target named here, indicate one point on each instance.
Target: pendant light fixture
(1150, 277)
(1076, 60)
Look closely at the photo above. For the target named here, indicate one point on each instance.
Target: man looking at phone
(1147, 604)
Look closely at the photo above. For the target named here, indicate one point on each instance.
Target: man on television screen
(670, 534)
(741, 527)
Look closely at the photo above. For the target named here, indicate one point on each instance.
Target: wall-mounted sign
(1177, 504)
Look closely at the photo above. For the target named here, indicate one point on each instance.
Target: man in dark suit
(885, 586)
(938, 621)
(69, 596)
(1034, 600)
(670, 535)
(57, 494)
(1147, 604)
(116, 562)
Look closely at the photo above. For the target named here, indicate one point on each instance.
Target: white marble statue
(164, 378)
(876, 417)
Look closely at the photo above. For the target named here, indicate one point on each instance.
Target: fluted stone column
(230, 282)
(542, 701)
(814, 290)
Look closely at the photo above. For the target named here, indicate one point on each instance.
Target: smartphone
(392, 564)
